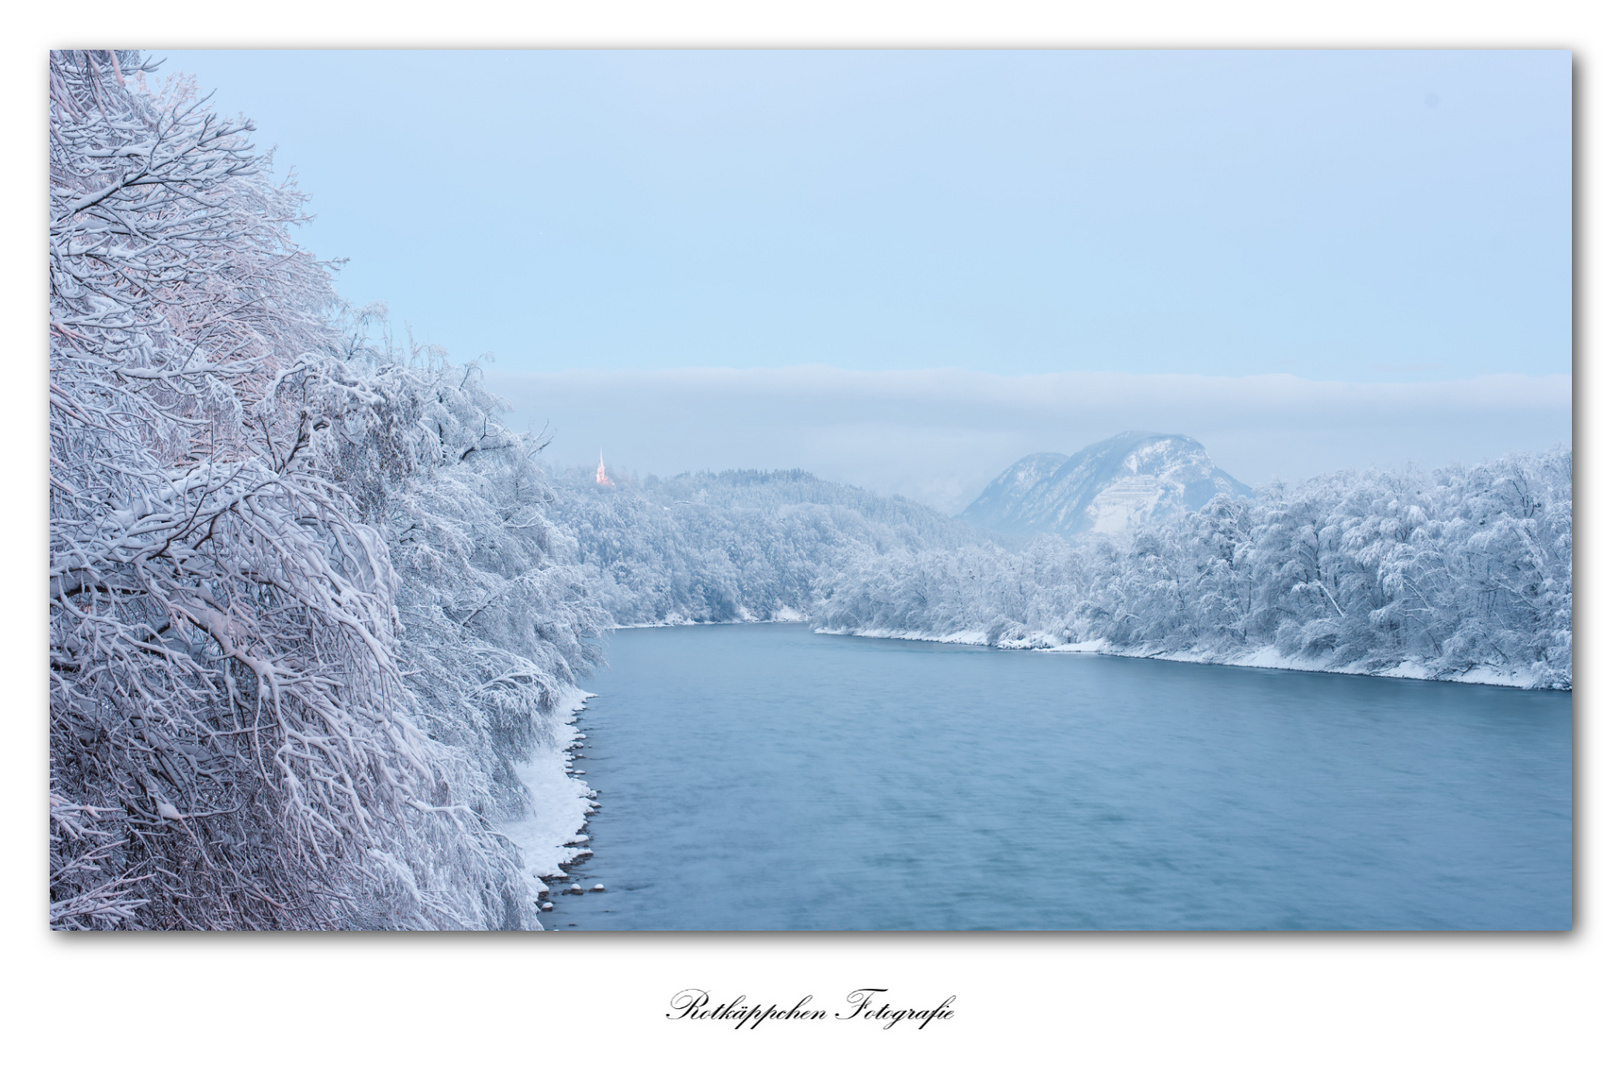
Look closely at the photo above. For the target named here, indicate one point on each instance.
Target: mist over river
(764, 777)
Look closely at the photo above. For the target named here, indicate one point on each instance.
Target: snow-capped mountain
(1110, 486)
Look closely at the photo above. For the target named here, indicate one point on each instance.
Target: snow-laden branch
(235, 742)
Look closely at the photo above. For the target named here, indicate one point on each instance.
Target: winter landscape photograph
(779, 490)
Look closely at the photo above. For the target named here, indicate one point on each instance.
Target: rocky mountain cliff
(1111, 486)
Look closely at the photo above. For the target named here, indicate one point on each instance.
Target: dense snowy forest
(1462, 574)
(307, 611)
(735, 546)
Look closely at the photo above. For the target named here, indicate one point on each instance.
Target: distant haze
(939, 436)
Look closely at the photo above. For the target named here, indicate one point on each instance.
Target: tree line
(1457, 574)
(1461, 573)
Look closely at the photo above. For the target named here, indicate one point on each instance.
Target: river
(763, 777)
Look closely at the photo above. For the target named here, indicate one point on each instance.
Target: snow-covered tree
(1457, 575)
(496, 617)
(739, 545)
(238, 736)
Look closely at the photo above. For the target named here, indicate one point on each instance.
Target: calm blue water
(768, 778)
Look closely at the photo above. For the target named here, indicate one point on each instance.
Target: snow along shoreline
(1267, 657)
(784, 615)
(560, 802)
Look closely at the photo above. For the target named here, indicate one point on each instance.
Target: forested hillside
(734, 546)
(1460, 574)
(307, 610)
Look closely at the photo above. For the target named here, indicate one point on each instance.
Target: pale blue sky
(1345, 216)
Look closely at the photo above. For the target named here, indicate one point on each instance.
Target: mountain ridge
(1110, 487)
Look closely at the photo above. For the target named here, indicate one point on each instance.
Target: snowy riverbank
(560, 802)
(785, 615)
(1269, 657)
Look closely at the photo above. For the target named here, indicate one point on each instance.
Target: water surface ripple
(767, 778)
